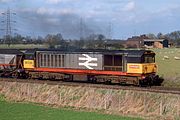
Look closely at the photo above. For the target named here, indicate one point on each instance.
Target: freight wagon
(10, 60)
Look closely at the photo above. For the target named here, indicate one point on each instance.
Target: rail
(155, 89)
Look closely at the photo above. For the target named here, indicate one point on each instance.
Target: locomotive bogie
(46, 76)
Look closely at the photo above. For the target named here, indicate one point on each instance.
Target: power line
(8, 26)
(110, 30)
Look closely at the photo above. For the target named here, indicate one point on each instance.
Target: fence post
(119, 104)
(105, 100)
(108, 94)
(145, 103)
(161, 107)
(120, 98)
(60, 98)
(178, 107)
(105, 105)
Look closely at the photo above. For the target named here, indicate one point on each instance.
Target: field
(23, 46)
(23, 111)
(168, 67)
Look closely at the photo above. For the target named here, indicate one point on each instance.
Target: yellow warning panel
(134, 68)
(28, 63)
(141, 68)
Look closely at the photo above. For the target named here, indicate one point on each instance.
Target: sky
(118, 19)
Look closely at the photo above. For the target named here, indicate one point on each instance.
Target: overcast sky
(114, 18)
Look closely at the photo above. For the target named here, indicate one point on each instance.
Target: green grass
(22, 111)
(169, 69)
(22, 46)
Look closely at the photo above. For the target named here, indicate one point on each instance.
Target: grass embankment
(23, 111)
(169, 68)
(116, 102)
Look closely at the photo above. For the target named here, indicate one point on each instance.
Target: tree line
(173, 37)
(93, 41)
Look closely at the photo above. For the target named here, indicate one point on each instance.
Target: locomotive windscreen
(148, 58)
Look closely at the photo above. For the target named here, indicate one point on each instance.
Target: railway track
(155, 89)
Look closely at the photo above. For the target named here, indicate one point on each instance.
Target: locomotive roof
(10, 51)
(130, 53)
(138, 53)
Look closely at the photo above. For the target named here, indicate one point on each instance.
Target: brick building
(156, 43)
(143, 41)
(135, 41)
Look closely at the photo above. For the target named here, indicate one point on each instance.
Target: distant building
(136, 41)
(156, 43)
(143, 41)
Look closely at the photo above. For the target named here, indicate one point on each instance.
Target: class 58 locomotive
(135, 67)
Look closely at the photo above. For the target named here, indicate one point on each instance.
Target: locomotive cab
(143, 64)
(29, 59)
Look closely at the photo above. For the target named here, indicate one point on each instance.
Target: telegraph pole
(81, 29)
(8, 26)
(110, 30)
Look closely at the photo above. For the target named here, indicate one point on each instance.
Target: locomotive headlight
(143, 77)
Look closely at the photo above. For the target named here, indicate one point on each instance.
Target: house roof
(154, 40)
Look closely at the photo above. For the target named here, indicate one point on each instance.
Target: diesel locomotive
(135, 67)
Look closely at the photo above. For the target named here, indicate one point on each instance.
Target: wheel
(68, 77)
(108, 82)
(94, 80)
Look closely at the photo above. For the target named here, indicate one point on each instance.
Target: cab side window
(148, 59)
